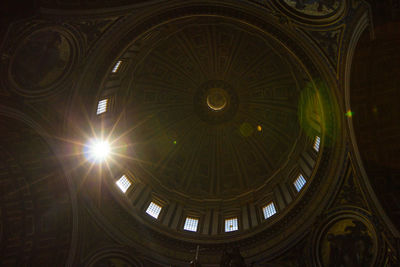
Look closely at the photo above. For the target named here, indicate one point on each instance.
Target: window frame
(106, 107)
(294, 182)
(110, 105)
(265, 206)
(192, 218)
(156, 204)
(226, 219)
(130, 186)
(317, 143)
(117, 66)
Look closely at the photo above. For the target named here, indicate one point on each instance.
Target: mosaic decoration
(41, 60)
(347, 242)
(314, 7)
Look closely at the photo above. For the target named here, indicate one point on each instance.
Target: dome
(220, 121)
(195, 97)
(169, 133)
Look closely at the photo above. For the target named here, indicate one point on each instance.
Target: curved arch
(362, 26)
(112, 253)
(8, 112)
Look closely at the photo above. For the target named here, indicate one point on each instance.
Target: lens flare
(349, 113)
(97, 150)
(246, 129)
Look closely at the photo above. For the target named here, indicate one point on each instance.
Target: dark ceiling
(35, 205)
(35, 214)
(375, 96)
(200, 152)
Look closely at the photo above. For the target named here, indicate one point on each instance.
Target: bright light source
(123, 183)
(317, 142)
(116, 66)
(102, 106)
(191, 224)
(269, 210)
(299, 182)
(153, 210)
(231, 225)
(98, 150)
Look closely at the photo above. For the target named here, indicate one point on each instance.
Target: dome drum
(239, 151)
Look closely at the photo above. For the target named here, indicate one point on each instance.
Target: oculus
(217, 99)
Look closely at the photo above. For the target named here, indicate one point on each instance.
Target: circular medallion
(42, 62)
(347, 239)
(312, 11)
(314, 7)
